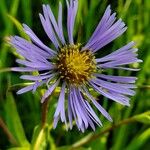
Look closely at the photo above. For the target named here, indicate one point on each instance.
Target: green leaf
(40, 138)
(13, 121)
(14, 7)
(19, 27)
(143, 118)
(139, 141)
(100, 143)
(27, 5)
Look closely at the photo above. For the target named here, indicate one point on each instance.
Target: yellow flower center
(74, 65)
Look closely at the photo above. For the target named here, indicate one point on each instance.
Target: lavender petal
(72, 11)
(106, 31)
(60, 110)
(47, 26)
(37, 40)
(97, 105)
(120, 79)
(50, 90)
(111, 95)
(116, 87)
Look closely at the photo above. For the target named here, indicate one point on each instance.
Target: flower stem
(93, 136)
(44, 111)
(8, 133)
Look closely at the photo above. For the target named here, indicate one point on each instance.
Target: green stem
(5, 70)
(93, 136)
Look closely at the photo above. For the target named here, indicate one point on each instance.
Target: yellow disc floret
(74, 65)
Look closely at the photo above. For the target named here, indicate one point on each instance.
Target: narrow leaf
(19, 27)
(143, 118)
(13, 121)
(138, 142)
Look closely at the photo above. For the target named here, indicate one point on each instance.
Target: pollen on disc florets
(74, 65)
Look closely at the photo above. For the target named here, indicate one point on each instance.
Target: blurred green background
(20, 116)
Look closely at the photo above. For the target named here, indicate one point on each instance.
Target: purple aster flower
(74, 67)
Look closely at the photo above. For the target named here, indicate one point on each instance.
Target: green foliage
(13, 121)
(143, 118)
(21, 114)
(19, 148)
(135, 144)
(19, 27)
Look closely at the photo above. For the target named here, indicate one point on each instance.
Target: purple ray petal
(52, 19)
(50, 90)
(55, 122)
(117, 57)
(123, 56)
(30, 51)
(70, 113)
(108, 38)
(21, 69)
(121, 79)
(120, 68)
(72, 11)
(37, 84)
(119, 62)
(31, 87)
(72, 106)
(102, 25)
(25, 89)
(29, 48)
(79, 117)
(90, 111)
(106, 31)
(88, 114)
(60, 24)
(99, 30)
(57, 26)
(33, 57)
(60, 110)
(75, 111)
(115, 97)
(36, 40)
(35, 78)
(79, 108)
(116, 87)
(117, 53)
(125, 52)
(97, 105)
(37, 65)
(47, 26)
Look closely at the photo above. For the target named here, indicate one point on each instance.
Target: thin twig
(8, 133)
(45, 111)
(93, 136)
(42, 135)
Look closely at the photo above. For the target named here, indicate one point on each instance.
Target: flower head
(75, 68)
